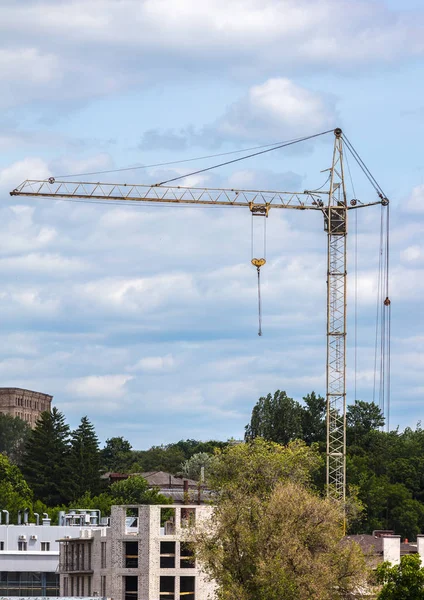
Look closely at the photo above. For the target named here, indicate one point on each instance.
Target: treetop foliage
(402, 582)
(273, 537)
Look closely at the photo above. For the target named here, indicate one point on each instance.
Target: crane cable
(234, 160)
(258, 263)
(355, 341)
(382, 349)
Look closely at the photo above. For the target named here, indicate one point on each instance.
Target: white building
(29, 554)
(143, 555)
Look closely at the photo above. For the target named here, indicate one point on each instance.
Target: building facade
(145, 554)
(25, 404)
(29, 557)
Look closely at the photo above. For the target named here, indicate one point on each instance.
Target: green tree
(314, 419)
(13, 435)
(134, 490)
(271, 534)
(46, 459)
(15, 493)
(117, 456)
(402, 582)
(276, 418)
(84, 460)
(361, 418)
(192, 468)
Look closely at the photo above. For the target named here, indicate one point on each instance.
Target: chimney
(391, 549)
(420, 547)
(19, 518)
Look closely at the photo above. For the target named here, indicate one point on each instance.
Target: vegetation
(402, 582)
(385, 470)
(272, 534)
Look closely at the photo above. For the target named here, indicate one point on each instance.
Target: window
(1, 545)
(167, 521)
(103, 556)
(65, 586)
(45, 546)
(167, 588)
(103, 586)
(131, 555)
(187, 588)
(188, 517)
(131, 587)
(167, 555)
(187, 560)
(22, 546)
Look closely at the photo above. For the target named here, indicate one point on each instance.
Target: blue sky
(145, 318)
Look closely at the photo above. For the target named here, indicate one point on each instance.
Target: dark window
(188, 517)
(167, 555)
(103, 586)
(167, 521)
(22, 546)
(187, 560)
(131, 555)
(103, 556)
(131, 587)
(1, 545)
(187, 588)
(167, 588)
(45, 546)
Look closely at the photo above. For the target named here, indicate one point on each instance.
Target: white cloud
(275, 109)
(100, 386)
(77, 49)
(155, 364)
(415, 203)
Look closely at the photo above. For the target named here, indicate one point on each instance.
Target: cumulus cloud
(99, 386)
(415, 202)
(87, 48)
(278, 109)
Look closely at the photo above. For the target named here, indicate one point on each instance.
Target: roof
(159, 479)
(163, 479)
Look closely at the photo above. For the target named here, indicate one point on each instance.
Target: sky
(145, 318)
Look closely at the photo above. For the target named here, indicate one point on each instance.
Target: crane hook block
(258, 262)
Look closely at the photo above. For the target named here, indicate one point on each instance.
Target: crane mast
(334, 207)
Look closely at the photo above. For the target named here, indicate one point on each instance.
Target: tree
(134, 490)
(361, 418)
(46, 459)
(84, 460)
(117, 456)
(314, 419)
(15, 493)
(402, 582)
(192, 468)
(276, 418)
(13, 435)
(271, 534)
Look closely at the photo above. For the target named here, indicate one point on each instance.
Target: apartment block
(145, 554)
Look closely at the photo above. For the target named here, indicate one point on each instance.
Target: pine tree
(85, 460)
(46, 460)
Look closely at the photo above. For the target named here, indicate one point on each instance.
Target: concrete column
(420, 547)
(391, 549)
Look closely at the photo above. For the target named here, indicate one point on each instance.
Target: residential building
(145, 554)
(29, 553)
(25, 404)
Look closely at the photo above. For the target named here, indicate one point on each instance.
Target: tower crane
(333, 205)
